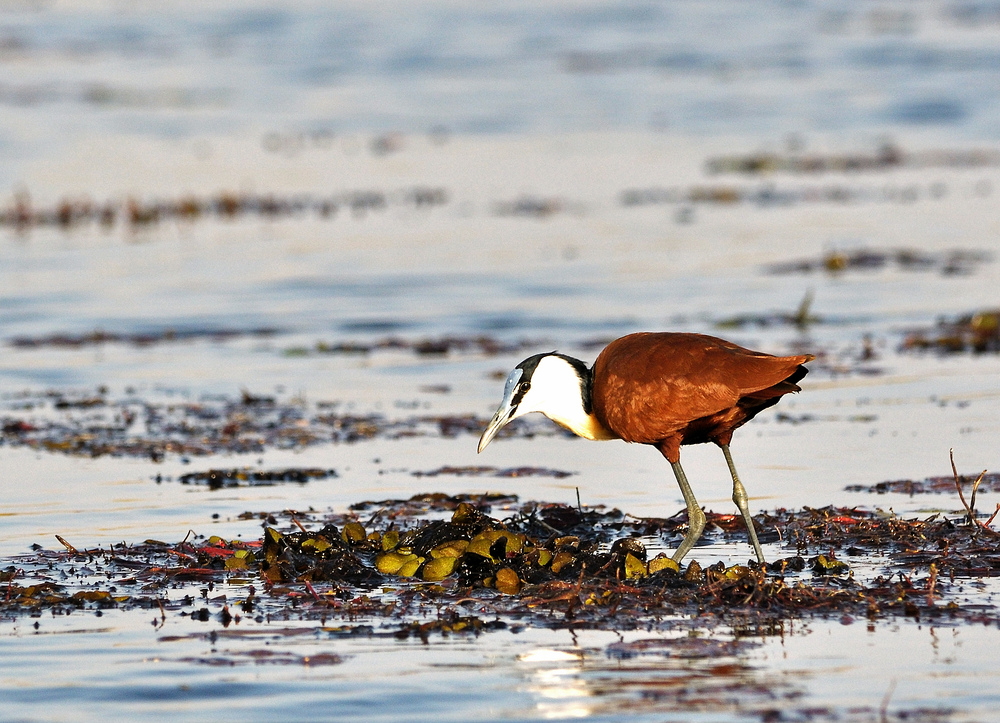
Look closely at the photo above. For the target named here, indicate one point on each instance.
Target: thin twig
(958, 486)
(548, 527)
(931, 585)
(968, 508)
(68, 546)
(10, 582)
(299, 524)
(310, 588)
(975, 488)
(883, 710)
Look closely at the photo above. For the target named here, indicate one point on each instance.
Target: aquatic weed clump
(441, 564)
(527, 568)
(976, 332)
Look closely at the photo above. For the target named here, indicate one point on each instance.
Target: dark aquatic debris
(956, 262)
(486, 471)
(888, 157)
(99, 337)
(928, 486)
(978, 332)
(407, 571)
(441, 346)
(770, 194)
(245, 477)
(95, 425)
(854, 359)
(266, 657)
(530, 207)
(803, 317)
(420, 504)
(426, 346)
(136, 213)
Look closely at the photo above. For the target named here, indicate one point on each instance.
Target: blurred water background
(245, 185)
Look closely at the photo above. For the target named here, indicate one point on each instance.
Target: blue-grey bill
(504, 413)
(496, 424)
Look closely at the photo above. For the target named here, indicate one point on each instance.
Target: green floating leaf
(662, 562)
(390, 563)
(353, 533)
(91, 596)
(439, 568)
(634, 567)
(481, 544)
(508, 582)
(737, 572)
(464, 513)
(390, 540)
(453, 549)
(236, 563)
(826, 566)
(561, 560)
(317, 543)
(409, 569)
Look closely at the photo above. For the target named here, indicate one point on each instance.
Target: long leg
(696, 518)
(741, 499)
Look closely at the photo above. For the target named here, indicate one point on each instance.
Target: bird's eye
(523, 387)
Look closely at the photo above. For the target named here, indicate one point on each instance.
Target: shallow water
(535, 124)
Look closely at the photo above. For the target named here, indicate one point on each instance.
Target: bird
(664, 389)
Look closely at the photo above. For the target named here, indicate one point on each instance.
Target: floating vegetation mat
(426, 346)
(23, 215)
(99, 337)
(931, 485)
(94, 425)
(952, 262)
(441, 346)
(487, 471)
(887, 158)
(440, 564)
(978, 332)
(217, 479)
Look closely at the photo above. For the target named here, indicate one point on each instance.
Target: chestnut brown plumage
(662, 389)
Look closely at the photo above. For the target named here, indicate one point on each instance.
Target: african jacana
(665, 389)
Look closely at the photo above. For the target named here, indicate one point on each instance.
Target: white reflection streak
(553, 677)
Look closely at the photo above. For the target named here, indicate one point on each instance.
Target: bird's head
(554, 384)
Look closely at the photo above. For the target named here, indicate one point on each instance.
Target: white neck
(556, 392)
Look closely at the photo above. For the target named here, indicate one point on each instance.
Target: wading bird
(663, 389)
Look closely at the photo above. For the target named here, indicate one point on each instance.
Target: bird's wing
(648, 386)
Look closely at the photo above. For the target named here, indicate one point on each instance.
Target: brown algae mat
(439, 564)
